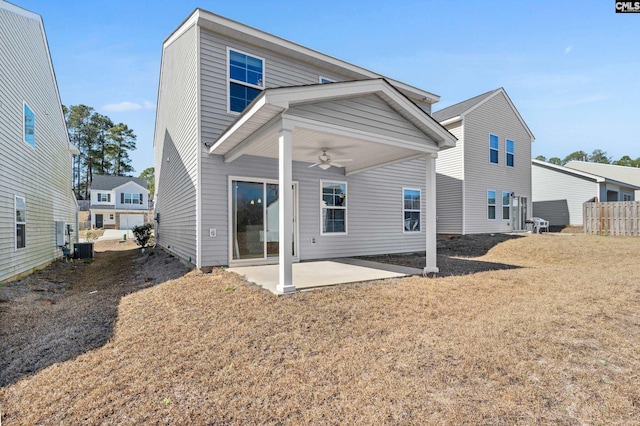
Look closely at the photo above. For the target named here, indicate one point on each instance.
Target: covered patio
(370, 122)
(323, 273)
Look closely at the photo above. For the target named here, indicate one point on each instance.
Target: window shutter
(108, 198)
(140, 198)
(122, 198)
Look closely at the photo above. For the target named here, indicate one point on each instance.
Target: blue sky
(571, 68)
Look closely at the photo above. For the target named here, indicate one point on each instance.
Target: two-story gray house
(243, 113)
(36, 199)
(484, 183)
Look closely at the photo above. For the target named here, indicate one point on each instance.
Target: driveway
(116, 234)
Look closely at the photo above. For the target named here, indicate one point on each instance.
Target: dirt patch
(456, 254)
(70, 307)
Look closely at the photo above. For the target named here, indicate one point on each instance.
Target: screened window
(493, 148)
(29, 126)
(246, 79)
(130, 198)
(104, 198)
(21, 222)
(491, 204)
(506, 205)
(334, 207)
(411, 210)
(510, 152)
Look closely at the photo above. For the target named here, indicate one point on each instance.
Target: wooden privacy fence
(618, 218)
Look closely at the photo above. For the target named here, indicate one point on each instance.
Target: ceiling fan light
(324, 166)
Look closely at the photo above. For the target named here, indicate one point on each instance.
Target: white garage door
(128, 221)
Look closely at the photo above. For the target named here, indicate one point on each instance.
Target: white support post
(430, 215)
(285, 206)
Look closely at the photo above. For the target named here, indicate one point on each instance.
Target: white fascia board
(260, 102)
(451, 120)
(253, 33)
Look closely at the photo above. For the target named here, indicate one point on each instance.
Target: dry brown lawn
(554, 341)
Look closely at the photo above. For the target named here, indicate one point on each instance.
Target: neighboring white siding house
(559, 192)
(242, 113)
(119, 202)
(628, 175)
(484, 183)
(35, 153)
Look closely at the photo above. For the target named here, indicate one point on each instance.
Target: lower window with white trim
(411, 209)
(334, 207)
(506, 205)
(491, 204)
(21, 222)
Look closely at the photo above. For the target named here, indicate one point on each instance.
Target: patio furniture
(539, 224)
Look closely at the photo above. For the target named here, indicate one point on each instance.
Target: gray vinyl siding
(450, 185)
(42, 175)
(378, 191)
(368, 114)
(496, 117)
(177, 147)
(558, 197)
(279, 72)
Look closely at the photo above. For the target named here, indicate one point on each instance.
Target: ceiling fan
(325, 161)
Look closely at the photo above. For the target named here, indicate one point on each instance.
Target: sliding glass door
(255, 219)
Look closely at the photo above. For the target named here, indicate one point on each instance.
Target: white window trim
(505, 205)
(404, 231)
(328, 80)
(16, 223)
(24, 135)
(345, 208)
(506, 152)
(494, 204)
(494, 149)
(230, 80)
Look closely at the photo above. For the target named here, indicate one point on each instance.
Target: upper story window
(510, 147)
(246, 79)
(493, 148)
(334, 207)
(491, 204)
(324, 80)
(104, 198)
(506, 205)
(21, 222)
(29, 126)
(130, 198)
(411, 209)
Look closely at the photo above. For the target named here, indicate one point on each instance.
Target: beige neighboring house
(484, 183)
(559, 192)
(625, 174)
(267, 151)
(118, 202)
(36, 199)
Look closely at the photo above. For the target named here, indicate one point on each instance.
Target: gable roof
(108, 183)
(581, 174)
(459, 110)
(264, 40)
(629, 175)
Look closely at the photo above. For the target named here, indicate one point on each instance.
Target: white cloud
(128, 106)
(568, 49)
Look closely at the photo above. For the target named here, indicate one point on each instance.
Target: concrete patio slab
(308, 275)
